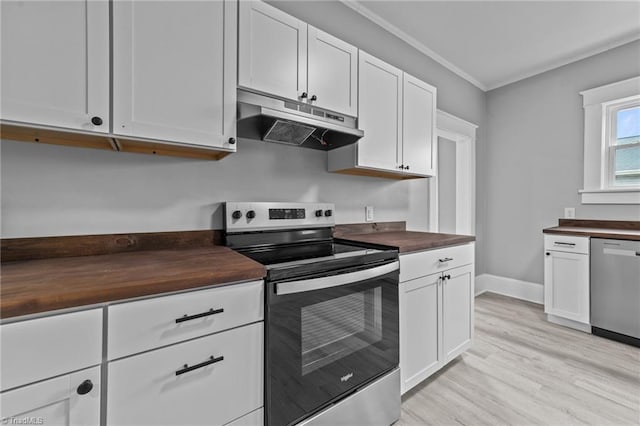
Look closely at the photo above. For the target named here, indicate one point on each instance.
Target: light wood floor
(524, 370)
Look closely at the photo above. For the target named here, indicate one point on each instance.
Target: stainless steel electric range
(331, 334)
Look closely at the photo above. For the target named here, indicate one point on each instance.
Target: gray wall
(446, 186)
(53, 190)
(533, 166)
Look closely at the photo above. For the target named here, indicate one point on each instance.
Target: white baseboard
(518, 289)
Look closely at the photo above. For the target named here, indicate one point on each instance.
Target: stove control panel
(243, 216)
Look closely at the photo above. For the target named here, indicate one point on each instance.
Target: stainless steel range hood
(276, 120)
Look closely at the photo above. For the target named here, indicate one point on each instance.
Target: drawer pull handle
(445, 260)
(211, 360)
(203, 314)
(558, 243)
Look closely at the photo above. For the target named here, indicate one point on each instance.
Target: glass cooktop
(283, 256)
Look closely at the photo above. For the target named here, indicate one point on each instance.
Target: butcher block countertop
(614, 229)
(36, 286)
(409, 241)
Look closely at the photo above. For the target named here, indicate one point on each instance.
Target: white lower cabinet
(69, 400)
(566, 280)
(457, 311)
(210, 380)
(420, 329)
(436, 310)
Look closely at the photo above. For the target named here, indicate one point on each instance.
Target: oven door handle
(311, 284)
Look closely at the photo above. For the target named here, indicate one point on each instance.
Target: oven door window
(322, 344)
(339, 327)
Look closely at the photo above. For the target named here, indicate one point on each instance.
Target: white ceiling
(493, 43)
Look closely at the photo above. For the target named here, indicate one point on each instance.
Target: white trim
(610, 196)
(463, 133)
(524, 290)
(597, 103)
(378, 20)
(609, 92)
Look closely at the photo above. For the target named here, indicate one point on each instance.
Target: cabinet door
(420, 329)
(333, 72)
(418, 126)
(60, 401)
(457, 311)
(157, 387)
(55, 63)
(175, 71)
(272, 51)
(380, 113)
(566, 285)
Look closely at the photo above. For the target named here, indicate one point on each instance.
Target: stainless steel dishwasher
(615, 289)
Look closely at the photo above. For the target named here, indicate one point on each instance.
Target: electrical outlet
(368, 214)
(569, 213)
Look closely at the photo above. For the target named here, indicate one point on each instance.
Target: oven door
(326, 336)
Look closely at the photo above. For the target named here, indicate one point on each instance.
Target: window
(612, 143)
(623, 149)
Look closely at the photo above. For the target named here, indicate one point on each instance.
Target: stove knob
(236, 214)
(328, 213)
(318, 213)
(251, 214)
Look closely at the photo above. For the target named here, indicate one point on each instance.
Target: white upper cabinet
(397, 114)
(283, 56)
(418, 126)
(380, 100)
(174, 71)
(272, 51)
(332, 72)
(55, 64)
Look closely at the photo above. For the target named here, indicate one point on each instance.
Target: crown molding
(567, 60)
(378, 20)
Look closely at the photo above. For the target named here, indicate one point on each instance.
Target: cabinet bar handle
(446, 259)
(203, 314)
(211, 360)
(559, 243)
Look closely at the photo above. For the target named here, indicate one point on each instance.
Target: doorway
(452, 190)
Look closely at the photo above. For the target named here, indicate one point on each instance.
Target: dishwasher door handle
(621, 252)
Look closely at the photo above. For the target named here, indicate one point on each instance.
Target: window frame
(598, 167)
(612, 108)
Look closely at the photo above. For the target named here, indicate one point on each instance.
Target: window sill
(610, 196)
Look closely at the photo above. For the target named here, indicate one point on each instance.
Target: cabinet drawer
(566, 243)
(145, 389)
(420, 264)
(147, 324)
(45, 347)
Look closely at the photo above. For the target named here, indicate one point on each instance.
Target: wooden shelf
(56, 136)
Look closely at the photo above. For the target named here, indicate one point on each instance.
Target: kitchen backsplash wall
(52, 190)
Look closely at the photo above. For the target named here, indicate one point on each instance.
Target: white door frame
(463, 133)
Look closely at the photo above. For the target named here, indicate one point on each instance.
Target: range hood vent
(276, 120)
